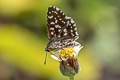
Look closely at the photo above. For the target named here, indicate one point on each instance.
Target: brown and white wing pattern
(59, 25)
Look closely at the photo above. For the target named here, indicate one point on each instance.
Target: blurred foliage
(24, 50)
(23, 38)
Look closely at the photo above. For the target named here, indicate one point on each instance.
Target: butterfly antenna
(45, 58)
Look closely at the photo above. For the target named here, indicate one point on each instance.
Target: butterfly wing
(59, 25)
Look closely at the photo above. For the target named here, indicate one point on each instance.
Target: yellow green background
(23, 38)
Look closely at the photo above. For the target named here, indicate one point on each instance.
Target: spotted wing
(59, 25)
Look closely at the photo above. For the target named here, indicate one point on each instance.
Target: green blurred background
(23, 38)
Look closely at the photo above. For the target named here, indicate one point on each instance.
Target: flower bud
(70, 67)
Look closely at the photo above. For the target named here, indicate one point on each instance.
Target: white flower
(77, 48)
(55, 58)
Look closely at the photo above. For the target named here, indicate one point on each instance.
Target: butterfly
(62, 30)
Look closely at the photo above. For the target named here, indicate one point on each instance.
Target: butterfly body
(62, 31)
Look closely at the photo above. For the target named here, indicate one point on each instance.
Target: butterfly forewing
(55, 25)
(60, 25)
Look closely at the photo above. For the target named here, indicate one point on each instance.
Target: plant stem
(71, 78)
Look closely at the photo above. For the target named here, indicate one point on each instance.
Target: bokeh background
(23, 38)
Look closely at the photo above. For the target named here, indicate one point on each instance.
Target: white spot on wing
(52, 23)
(72, 21)
(57, 9)
(71, 30)
(56, 21)
(63, 14)
(57, 26)
(74, 25)
(63, 22)
(65, 34)
(72, 34)
(51, 28)
(50, 17)
(66, 17)
(76, 33)
(49, 12)
(60, 19)
(68, 23)
(60, 11)
(55, 12)
(54, 7)
(52, 33)
(59, 30)
(75, 29)
(65, 30)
